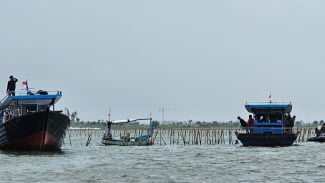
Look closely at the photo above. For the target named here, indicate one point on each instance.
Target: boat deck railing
(263, 103)
(273, 130)
(39, 92)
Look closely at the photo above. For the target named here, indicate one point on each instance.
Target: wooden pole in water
(163, 140)
(89, 139)
(69, 134)
(178, 137)
(209, 136)
(230, 136)
(199, 135)
(303, 137)
(160, 136)
(170, 137)
(195, 136)
(184, 137)
(189, 137)
(206, 136)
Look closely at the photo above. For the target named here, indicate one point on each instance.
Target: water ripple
(176, 163)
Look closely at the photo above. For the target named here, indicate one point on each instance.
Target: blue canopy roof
(286, 107)
(48, 99)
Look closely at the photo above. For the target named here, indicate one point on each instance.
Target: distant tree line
(76, 122)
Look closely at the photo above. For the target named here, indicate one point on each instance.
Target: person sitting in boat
(289, 122)
(4, 118)
(126, 138)
(292, 121)
(6, 115)
(322, 130)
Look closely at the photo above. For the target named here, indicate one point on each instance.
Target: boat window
(31, 108)
(262, 117)
(43, 107)
(275, 117)
(259, 117)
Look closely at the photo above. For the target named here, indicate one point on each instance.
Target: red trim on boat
(35, 142)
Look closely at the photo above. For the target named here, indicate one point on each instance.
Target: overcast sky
(199, 60)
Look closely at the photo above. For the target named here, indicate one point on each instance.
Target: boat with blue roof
(271, 125)
(29, 121)
(142, 139)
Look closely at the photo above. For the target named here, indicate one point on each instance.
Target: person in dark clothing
(11, 86)
(242, 122)
(322, 130)
(109, 133)
(247, 125)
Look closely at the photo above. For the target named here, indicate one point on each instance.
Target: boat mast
(150, 126)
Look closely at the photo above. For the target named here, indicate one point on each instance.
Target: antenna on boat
(109, 114)
(150, 125)
(270, 98)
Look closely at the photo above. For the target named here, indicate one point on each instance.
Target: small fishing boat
(320, 138)
(128, 139)
(29, 123)
(271, 125)
(320, 135)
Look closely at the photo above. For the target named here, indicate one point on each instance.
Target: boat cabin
(14, 106)
(270, 117)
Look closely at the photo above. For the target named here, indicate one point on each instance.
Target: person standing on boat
(322, 130)
(242, 122)
(11, 86)
(250, 123)
(109, 133)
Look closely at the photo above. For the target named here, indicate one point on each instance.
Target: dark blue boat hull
(43, 131)
(266, 139)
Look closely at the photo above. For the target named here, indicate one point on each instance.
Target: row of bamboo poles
(185, 136)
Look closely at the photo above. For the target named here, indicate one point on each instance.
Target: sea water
(76, 162)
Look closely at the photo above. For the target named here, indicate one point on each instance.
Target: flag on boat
(24, 82)
(270, 96)
(109, 115)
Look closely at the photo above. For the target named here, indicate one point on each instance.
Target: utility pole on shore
(162, 110)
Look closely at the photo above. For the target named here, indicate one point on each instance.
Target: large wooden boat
(145, 139)
(272, 125)
(30, 122)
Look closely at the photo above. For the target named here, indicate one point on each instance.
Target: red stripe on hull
(36, 141)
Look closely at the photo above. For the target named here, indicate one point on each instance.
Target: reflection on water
(303, 162)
